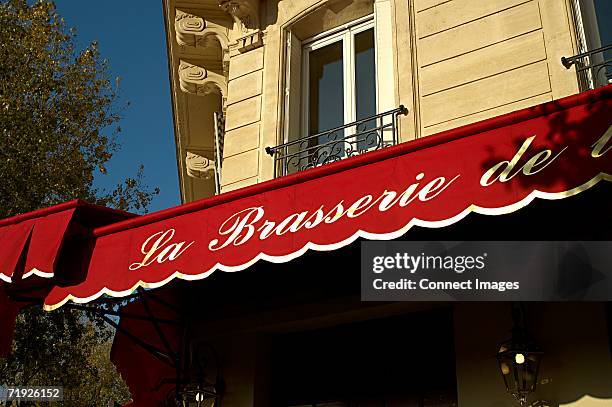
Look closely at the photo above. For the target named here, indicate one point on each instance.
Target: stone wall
(450, 62)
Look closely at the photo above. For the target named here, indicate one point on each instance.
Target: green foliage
(63, 348)
(58, 127)
(58, 115)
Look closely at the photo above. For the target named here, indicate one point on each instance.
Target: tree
(64, 348)
(59, 115)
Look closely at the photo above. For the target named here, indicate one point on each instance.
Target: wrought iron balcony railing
(594, 68)
(372, 133)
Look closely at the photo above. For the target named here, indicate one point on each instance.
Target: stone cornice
(252, 40)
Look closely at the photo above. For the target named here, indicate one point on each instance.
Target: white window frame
(345, 33)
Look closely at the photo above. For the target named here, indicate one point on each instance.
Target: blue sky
(130, 34)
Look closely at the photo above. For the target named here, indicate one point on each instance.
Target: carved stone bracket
(193, 31)
(245, 12)
(197, 80)
(198, 166)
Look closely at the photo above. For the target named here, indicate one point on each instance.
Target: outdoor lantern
(202, 385)
(519, 361)
(199, 396)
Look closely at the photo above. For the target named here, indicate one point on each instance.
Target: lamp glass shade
(519, 364)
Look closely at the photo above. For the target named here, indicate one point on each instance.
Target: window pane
(326, 84)
(365, 88)
(365, 74)
(326, 107)
(603, 8)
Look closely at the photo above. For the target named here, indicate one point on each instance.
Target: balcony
(362, 136)
(594, 68)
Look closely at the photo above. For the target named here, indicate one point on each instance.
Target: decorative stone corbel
(198, 166)
(192, 30)
(245, 12)
(197, 80)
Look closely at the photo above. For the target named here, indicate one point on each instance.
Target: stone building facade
(237, 70)
(450, 63)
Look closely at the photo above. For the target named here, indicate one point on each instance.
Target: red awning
(494, 167)
(42, 249)
(8, 313)
(36, 237)
(145, 354)
(31, 244)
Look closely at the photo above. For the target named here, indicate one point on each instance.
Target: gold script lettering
(598, 147)
(239, 228)
(534, 165)
(249, 223)
(158, 248)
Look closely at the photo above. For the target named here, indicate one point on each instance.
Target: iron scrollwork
(349, 140)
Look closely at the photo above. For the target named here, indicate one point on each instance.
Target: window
(338, 81)
(594, 32)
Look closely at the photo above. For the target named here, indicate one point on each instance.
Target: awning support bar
(166, 358)
(163, 357)
(99, 311)
(162, 302)
(155, 322)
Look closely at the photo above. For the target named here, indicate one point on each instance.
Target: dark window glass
(365, 88)
(365, 74)
(326, 74)
(603, 10)
(326, 104)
